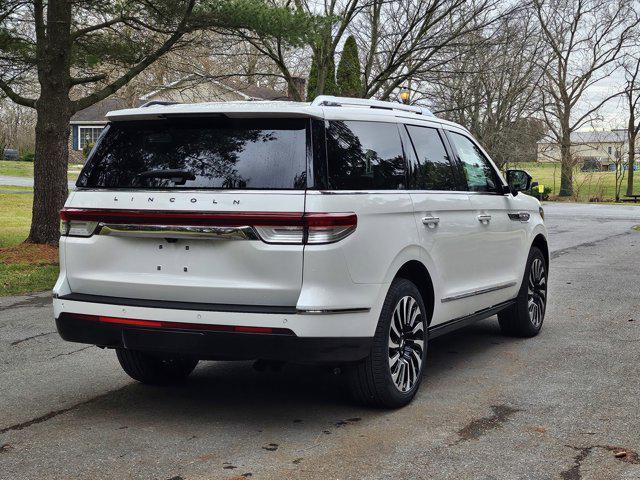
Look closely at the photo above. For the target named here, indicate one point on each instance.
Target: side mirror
(519, 181)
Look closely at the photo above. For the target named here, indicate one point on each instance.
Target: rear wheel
(391, 375)
(156, 369)
(525, 317)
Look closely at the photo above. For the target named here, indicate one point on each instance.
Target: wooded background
(511, 72)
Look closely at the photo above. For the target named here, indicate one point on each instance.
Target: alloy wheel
(406, 344)
(537, 292)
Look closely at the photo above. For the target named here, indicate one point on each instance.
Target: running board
(451, 325)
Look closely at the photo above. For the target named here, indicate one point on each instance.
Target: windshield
(209, 153)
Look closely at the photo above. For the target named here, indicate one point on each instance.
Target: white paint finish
(385, 228)
(448, 248)
(497, 247)
(218, 271)
(192, 200)
(461, 254)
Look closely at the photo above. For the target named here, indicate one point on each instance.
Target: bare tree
(399, 41)
(632, 100)
(584, 39)
(80, 52)
(405, 42)
(492, 88)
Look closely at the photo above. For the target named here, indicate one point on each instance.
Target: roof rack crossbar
(331, 101)
(157, 102)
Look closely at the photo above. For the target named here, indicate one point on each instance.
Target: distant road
(22, 181)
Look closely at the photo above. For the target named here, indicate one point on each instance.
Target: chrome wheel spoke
(406, 342)
(536, 292)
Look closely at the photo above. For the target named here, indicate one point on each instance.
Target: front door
(499, 241)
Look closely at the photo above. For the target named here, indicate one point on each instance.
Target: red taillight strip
(142, 217)
(231, 219)
(175, 325)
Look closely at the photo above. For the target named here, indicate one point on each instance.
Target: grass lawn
(23, 268)
(587, 185)
(25, 169)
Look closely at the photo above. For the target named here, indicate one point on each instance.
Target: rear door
(193, 210)
(441, 213)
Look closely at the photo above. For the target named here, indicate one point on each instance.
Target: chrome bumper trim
(177, 231)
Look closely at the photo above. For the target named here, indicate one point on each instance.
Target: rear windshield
(204, 153)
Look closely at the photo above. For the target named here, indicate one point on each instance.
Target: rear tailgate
(190, 235)
(209, 270)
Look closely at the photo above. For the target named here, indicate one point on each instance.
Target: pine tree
(312, 84)
(330, 87)
(349, 80)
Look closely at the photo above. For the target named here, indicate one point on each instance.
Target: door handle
(431, 221)
(484, 218)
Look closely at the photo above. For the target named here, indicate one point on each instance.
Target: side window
(364, 155)
(433, 169)
(478, 172)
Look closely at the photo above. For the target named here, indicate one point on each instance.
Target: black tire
(370, 381)
(155, 369)
(525, 317)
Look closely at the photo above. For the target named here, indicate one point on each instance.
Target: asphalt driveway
(562, 405)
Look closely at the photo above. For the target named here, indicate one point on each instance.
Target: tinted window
(433, 170)
(364, 156)
(478, 172)
(206, 153)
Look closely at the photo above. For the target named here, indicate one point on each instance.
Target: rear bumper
(324, 337)
(214, 345)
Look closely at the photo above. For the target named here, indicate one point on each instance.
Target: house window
(88, 135)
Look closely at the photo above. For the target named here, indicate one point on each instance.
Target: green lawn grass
(587, 185)
(25, 169)
(34, 274)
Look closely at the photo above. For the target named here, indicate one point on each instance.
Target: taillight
(314, 229)
(271, 227)
(329, 227)
(75, 227)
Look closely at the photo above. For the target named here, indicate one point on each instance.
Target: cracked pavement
(562, 405)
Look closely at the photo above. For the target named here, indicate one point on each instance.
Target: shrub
(541, 196)
(86, 150)
(27, 156)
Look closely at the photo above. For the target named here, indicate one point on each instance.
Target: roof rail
(157, 102)
(331, 101)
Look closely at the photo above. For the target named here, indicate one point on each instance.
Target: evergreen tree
(330, 87)
(312, 83)
(349, 80)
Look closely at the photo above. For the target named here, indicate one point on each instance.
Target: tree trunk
(566, 161)
(54, 110)
(50, 169)
(632, 156)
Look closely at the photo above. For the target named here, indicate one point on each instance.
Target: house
(87, 124)
(592, 150)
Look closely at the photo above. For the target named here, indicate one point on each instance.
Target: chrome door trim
(177, 231)
(480, 291)
(333, 311)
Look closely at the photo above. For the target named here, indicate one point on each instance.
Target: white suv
(347, 232)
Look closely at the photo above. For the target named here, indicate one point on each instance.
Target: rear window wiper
(178, 177)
